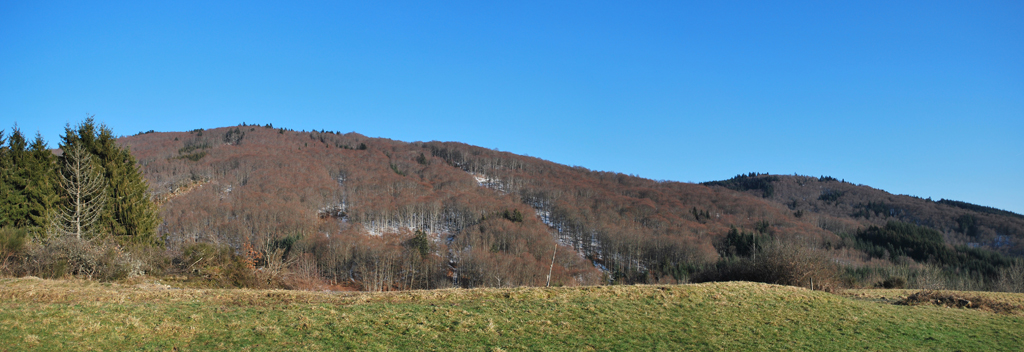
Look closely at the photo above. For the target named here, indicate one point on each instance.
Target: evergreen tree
(31, 180)
(41, 194)
(6, 191)
(14, 210)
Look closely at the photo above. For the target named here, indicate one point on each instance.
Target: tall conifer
(40, 169)
(6, 167)
(15, 211)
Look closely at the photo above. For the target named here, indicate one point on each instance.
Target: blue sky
(921, 98)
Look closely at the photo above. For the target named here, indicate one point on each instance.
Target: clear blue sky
(922, 98)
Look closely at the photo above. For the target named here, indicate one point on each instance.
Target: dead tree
(84, 194)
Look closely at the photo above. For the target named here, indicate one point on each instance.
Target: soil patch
(956, 300)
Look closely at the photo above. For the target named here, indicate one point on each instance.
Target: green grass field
(40, 314)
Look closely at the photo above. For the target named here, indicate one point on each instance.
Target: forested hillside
(960, 223)
(390, 214)
(357, 208)
(260, 206)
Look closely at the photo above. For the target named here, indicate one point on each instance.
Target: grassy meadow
(38, 314)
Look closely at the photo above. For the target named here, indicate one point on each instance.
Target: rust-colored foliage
(490, 218)
(250, 256)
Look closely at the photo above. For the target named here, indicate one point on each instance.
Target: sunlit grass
(83, 315)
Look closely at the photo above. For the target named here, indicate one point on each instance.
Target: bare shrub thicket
(959, 300)
(906, 273)
(64, 256)
(12, 247)
(217, 266)
(778, 263)
(1011, 278)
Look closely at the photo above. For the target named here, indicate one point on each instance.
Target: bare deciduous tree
(84, 188)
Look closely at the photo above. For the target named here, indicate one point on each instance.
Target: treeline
(979, 208)
(903, 255)
(752, 181)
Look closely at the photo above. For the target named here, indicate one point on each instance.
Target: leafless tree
(84, 189)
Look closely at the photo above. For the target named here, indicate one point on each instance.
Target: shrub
(217, 266)
(892, 282)
(959, 300)
(156, 261)
(791, 264)
(70, 256)
(305, 275)
(1011, 279)
(12, 246)
(779, 263)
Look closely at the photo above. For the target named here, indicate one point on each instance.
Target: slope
(352, 205)
(379, 214)
(844, 206)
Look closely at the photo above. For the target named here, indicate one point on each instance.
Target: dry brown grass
(142, 290)
(999, 302)
(961, 300)
(147, 314)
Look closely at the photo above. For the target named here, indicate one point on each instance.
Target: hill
(379, 214)
(960, 223)
(44, 314)
(491, 218)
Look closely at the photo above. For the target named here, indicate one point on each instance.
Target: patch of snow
(480, 179)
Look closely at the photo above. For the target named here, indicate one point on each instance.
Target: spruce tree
(40, 169)
(28, 181)
(6, 191)
(14, 209)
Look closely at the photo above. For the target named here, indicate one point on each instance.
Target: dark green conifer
(14, 209)
(39, 169)
(6, 191)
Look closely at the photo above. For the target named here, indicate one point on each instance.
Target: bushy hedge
(217, 266)
(70, 256)
(777, 263)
